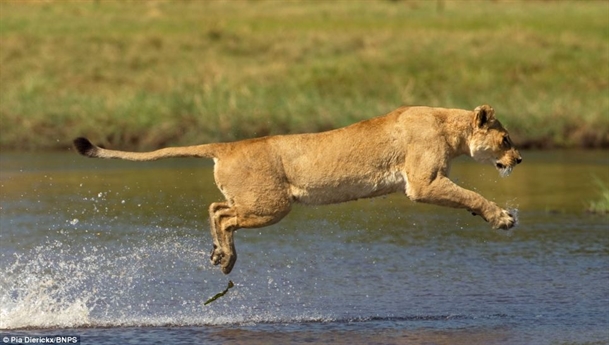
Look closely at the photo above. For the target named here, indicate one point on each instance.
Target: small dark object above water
(218, 295)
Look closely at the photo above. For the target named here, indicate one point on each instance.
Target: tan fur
(408, 150)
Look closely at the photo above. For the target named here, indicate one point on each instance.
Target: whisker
(506, 171)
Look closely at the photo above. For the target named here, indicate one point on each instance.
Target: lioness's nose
(518, 160)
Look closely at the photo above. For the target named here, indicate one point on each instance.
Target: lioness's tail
(86, 148)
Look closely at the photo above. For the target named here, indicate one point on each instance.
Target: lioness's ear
(483, 115)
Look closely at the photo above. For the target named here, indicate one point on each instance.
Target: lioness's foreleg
(442, 191)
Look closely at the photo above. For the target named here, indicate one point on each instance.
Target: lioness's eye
(506, 141)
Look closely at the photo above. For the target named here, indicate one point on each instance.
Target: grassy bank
(141, 75)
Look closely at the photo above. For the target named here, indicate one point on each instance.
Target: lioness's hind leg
(223, 221)
(214, 227)
(226, 220)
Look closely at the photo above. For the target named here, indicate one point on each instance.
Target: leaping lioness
(408, 150)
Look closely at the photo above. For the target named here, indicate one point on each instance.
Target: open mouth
(504, 170)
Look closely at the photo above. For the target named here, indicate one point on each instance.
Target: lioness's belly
(347, 188)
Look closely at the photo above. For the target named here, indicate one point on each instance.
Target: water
(117, 252)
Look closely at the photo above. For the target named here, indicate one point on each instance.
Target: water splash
(80, 285)
(35, 293)
(160, 279)
(514, 212)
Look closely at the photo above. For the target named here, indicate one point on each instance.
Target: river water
(117, 252)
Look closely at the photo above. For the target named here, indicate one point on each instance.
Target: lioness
(408, 150)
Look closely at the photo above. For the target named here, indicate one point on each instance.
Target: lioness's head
(491, 143)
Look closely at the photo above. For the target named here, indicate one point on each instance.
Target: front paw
(505, 220)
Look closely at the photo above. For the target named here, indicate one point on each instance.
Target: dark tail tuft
(84, 147)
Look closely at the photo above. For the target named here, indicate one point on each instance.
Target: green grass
(140, 75)
(601, 205)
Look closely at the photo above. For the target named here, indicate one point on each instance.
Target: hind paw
(227, 262)
(216, 256)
